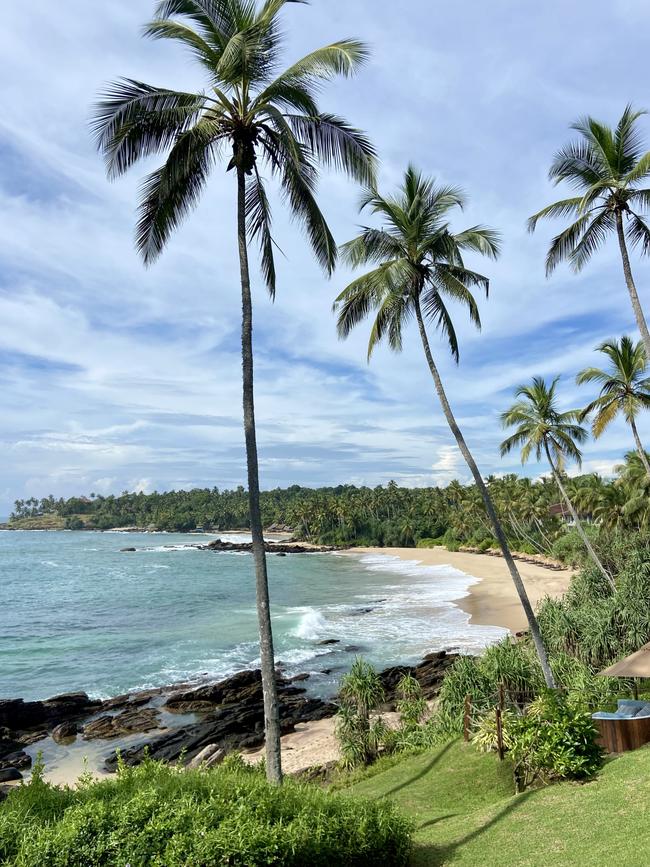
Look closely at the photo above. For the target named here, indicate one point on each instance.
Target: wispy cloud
(115, 376)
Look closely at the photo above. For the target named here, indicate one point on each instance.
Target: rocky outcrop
(18, 715)
(234, 718)
(429, 674)
(128, 722)
(269, 547)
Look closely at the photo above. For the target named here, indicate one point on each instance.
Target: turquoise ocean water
(78, 614)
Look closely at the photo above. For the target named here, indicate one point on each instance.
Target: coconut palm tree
(608, 167)
(254, 117)
(419, 267)
(624, 389)
(541, 427)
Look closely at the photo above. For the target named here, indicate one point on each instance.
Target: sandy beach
(493, 601)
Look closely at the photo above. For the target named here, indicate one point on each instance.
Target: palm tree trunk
(634, 296)
(533, 625)
(577, 521)
(639, 447)
(269, 686)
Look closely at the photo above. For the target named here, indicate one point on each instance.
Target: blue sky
(119, 377)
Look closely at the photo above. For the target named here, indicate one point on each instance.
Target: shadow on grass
(434, 855)
(423, 771)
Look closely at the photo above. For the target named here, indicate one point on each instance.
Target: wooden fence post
(500, 749)
(467, 717)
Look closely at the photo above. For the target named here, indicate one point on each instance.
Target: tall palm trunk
(639, 447)
(269, 686)
(576, 519)
(533, 625)
(634, 296)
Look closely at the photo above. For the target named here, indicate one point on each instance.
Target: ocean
(79, 614)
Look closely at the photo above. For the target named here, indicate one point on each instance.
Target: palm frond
(592, 238)
(339, 58)
(638, 233)
(577, 164)
(563, 208)
(563, 245)
(371, 246)
(134, 120)
(335, 143)
(169, 193)
(481, 240)
(258, 224)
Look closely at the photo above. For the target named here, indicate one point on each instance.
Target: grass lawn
(465, 812)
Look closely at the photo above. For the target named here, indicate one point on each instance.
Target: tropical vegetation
(252, 117)
(156, 814)
(608, 167)
(541, 428)
(418, 268)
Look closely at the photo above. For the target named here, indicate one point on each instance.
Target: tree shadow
(434, 855)
(422, 772)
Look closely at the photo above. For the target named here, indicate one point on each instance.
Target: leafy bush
(553, 740)
(484, 736)
(360, 693)
(431, 543)
(154, 814)
(411, 704)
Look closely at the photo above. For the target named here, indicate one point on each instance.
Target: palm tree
(541, 427)
(251, 115)
(624, 388)
(419, 266)
(607, 166)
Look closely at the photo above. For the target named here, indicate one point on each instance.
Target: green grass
(466, 814)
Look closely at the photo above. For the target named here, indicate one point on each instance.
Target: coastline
(492, 600)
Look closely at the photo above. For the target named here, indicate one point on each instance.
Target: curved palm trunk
(269, 686)
(639, 447)
(634, 296)
(578, 523)
(533, 625)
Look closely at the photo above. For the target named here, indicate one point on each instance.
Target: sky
(119, 377)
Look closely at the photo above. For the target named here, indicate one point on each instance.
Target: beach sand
(493, 601)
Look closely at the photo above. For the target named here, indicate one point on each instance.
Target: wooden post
(467, 717)
(502, 698)
(500, 749)
(635, 688)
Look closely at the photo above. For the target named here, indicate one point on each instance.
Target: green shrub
(360, 693)
(431, 543)
(157, 815)
(553, 740)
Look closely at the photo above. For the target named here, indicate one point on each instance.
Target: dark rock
(299, 677)
(429, 673)
(280, 554)
(353, 648)
(241, 687)
(17, 759)
(327, 642)
(357, 612)
(126, 723)
(19, 715)
(126, 550)
(326, 671)
(65, 732)
(235, 721)
(269, 547)
(9, 775)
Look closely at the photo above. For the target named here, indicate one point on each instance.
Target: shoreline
(492, 600)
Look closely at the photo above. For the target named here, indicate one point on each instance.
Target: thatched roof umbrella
(635, 665)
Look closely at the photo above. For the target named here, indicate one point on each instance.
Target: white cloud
(115, 375)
